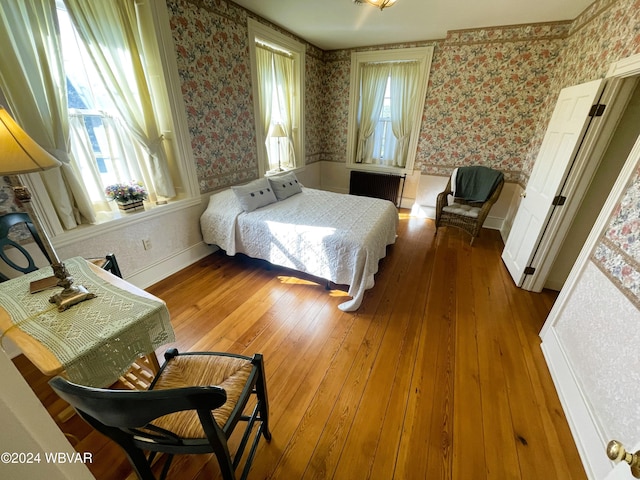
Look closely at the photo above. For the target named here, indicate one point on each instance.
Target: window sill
(117, 220)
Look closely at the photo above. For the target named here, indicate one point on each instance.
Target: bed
(337, 237)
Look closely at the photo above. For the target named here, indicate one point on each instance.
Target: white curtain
(123, 152)
(264, 61)
(283, 68)
(403, 90)
(34, 84)
(120, 144)
(109, 30)
(86, 166)
(384, 143)
(373, 84)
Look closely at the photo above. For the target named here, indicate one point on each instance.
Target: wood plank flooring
(439, 375)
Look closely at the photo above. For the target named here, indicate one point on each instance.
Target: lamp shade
(18, 152)
(278, 131)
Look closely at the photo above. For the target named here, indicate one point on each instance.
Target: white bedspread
(333, 236)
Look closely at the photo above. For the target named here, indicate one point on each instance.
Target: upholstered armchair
(469, 195)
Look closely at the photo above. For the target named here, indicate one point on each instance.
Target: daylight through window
(105, 149)
(384, 118)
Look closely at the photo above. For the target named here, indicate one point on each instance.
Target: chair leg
(139, 463)
(261, 391)
(113, 265)
(137, 458)
(221, 451)
(217, 438)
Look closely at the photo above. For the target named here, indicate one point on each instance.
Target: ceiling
(339, 24)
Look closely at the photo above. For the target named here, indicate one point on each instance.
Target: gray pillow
(255, 194)
(285, 185)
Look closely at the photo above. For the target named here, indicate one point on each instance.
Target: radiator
(377, 185)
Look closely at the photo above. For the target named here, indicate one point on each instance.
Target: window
(138, 40)
(277, 72)
(388, 89)
(384, 142)
(105, 148)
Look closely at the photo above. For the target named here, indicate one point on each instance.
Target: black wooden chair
(25, 263)
(191, 407)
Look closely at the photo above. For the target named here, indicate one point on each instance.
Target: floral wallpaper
(216, 84)
(335, 109)
(315, 121)
(489, 99)
(7, 200)
(489, 81)
(212, 53)
(617, 254)
(607, 31)
(486, 91)
(8, 204)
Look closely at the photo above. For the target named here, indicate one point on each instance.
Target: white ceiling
(338, 24)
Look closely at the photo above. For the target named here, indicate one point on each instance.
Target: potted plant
(128, 196)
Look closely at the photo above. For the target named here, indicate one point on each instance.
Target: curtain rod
(272, 48)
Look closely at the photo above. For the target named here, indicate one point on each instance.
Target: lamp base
(71, 294)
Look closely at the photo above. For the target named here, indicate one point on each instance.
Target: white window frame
(423, 55)
(178, 141)
(258, 31)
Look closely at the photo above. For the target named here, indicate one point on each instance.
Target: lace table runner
(97, 340)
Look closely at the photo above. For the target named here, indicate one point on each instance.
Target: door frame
(583, 422)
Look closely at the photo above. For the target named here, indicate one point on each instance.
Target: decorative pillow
(285, 185)
(255, 194)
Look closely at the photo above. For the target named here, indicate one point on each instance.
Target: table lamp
(278, 132)
(20, 154)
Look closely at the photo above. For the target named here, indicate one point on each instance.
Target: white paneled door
(561, 143)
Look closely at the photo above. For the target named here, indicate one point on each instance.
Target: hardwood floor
(439, 375)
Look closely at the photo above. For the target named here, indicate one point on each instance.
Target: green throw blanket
(476, 184)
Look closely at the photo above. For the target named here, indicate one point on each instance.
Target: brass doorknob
(617, 453)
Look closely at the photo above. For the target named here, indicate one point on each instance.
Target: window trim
(188, 193)
(423, 55)
(260, 31)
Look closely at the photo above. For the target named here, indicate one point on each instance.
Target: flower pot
(131, 206)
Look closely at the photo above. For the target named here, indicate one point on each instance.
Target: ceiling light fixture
(381, 4)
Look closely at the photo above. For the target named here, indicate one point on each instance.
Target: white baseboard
(585, 431)
(407, 202)
(493, 223)
(161, 269)
(423, 211)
